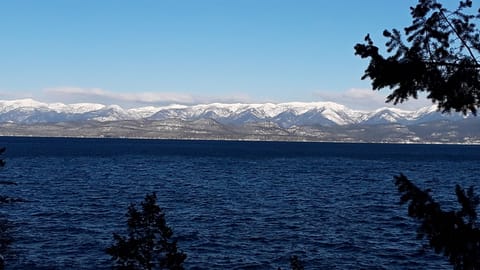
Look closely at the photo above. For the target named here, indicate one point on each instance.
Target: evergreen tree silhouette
(439, 55)
(148, 244)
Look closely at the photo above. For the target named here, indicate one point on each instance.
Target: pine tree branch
(463, 41)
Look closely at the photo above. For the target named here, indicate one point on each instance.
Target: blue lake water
(232, 205)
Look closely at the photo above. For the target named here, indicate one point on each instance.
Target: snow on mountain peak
(21, 103)
(143, 112)
(284, 114)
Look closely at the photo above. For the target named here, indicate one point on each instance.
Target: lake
(231, 205)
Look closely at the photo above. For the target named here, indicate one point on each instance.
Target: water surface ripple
(232, 205)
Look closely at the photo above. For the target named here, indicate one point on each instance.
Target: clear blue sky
(188, 51)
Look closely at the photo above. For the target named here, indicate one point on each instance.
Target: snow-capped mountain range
(285, 115)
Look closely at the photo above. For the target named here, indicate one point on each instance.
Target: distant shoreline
(235, 140)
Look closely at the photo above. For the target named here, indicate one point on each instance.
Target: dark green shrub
(148, 244)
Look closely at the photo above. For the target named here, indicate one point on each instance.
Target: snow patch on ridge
(283, 114)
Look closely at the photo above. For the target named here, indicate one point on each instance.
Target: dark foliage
(5, 240)
(2, 161)
(295, 263)
(148, 244)
(439, 55)
(452, 233)
(5, 237)
(4, 182)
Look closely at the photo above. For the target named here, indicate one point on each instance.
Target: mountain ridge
(294, 121)
(29, 111)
